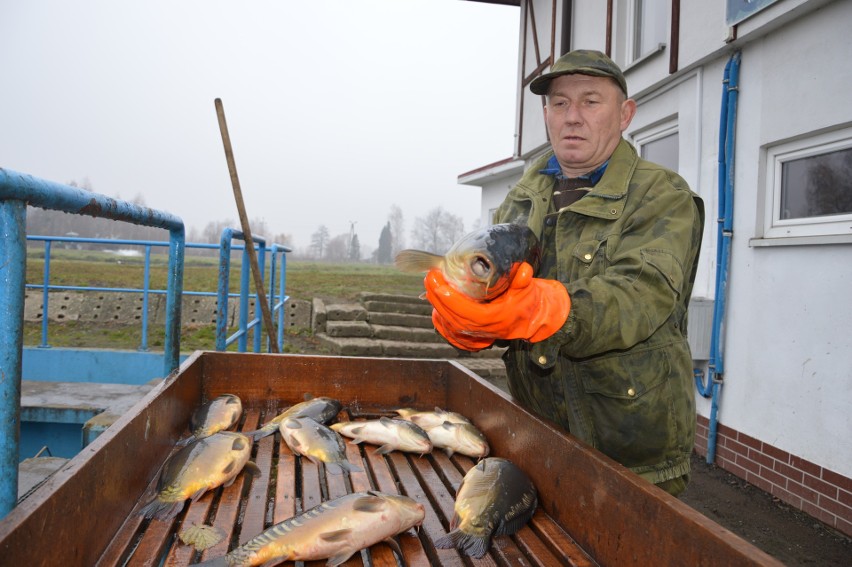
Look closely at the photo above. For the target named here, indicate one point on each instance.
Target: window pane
(649, 26)
(663, 151)
(817, 185)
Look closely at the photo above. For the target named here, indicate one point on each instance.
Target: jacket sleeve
(625, 285)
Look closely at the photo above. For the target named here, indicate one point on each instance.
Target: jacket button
(542, 359)
(613, 211)
(587, 257)
(631, 392)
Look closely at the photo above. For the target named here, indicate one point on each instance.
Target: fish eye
(480, 266)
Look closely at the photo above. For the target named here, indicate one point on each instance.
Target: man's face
(585, 117)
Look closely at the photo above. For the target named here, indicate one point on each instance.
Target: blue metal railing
(17, 190)
(276, 299)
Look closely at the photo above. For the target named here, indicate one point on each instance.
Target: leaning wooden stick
(241, 208)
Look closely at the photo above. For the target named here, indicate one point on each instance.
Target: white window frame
(632, 54)
(774, 227)
(653, 133)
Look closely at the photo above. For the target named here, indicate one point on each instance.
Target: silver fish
(481, 264)
(495, 498)
(202, 465)
(389, 434)
(429, 419)
(311, 439)
(321, 409)
(219, 414)
(334, 530)
(463, 438)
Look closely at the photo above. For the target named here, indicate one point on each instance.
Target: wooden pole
(241, 208)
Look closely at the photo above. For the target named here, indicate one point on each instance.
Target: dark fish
(480, 264)
(495, 498)
(320, 409)
(334, 530)
(219, 414)
(307, 437)
(202, 465)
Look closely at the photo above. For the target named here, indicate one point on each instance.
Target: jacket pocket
(587, 258)
(630, 405)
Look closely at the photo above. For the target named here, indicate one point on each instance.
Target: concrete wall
(126, 309)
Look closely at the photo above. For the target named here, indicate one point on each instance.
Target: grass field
(304, 280)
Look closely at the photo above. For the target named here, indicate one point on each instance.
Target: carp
(334, 530)
(482, 263)
(389, 434)
(462, 438)
(429, 419)
(309, 438)
(202, 465)
(218, 414)
(321, 409)
(495, 498)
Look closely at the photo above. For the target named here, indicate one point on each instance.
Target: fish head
(411, 513)
(482, 263)
(413, 437)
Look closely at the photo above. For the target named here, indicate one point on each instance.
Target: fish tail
(260, 433)
(417, 261)
(474, 546)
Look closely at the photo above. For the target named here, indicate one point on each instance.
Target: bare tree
(437, 231)
(397, 229)
(319, 240)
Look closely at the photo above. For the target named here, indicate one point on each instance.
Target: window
(809, 187)
(647, 28)
(660, 145)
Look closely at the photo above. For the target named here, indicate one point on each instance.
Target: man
(597, 338)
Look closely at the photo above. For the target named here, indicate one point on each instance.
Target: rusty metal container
(591, 510)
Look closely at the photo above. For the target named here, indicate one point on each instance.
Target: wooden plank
(285, 486)
(229, 500)
(560, 543)
(432, 524)
(255, 511)
(412, 547)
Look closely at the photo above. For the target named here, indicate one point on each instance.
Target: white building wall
(788, 353)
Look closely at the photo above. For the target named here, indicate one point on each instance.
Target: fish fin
(395, 546)
(510, 526)
(252, 469)
(384, 449)
(261, 433)
(349, 467)
(334, 468)
(229, 468)
(340, 558)
(161, 510)
(336, 535)
(386, 421)
(185, 442)
(368, 503)
(449, 452)
(474, 546)
(405, 413)
(417, 261)
(308, 396)
(198, 494)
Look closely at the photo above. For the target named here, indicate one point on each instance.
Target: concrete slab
(34, 471)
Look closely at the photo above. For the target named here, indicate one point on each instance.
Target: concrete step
(354, 329)
(366, 296)
(422, 308)
(404, 333)
(345, 312)
(402, 320)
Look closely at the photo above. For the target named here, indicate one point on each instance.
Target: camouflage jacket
(618, 374)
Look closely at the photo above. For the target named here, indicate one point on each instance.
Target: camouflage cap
(581, 62)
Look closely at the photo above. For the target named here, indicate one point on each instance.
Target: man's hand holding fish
(531, 309)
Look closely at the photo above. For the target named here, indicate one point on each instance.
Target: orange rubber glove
(531, 309)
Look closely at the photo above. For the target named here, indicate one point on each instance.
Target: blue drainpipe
(727, 135)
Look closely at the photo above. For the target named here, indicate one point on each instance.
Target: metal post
(13, 265)
(45, 296)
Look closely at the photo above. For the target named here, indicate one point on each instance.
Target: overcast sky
(337, 109)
